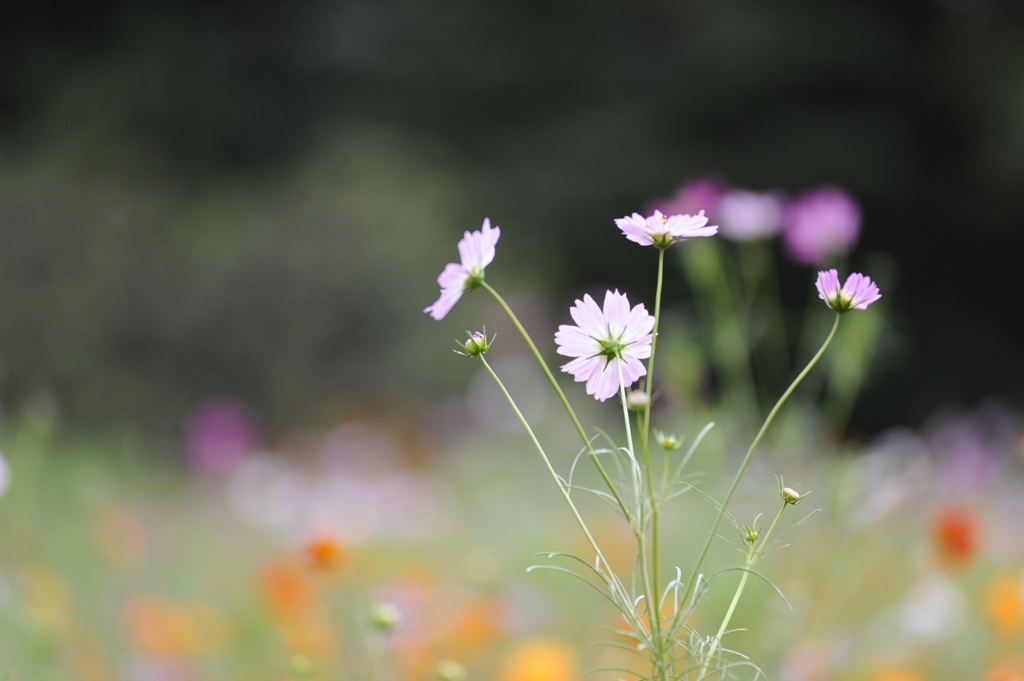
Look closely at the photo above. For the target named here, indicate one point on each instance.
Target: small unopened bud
(751, 533)
(637, 400)
(790, 495)
(476, 345)
(667, 441)
(384, 616)
(450, 670)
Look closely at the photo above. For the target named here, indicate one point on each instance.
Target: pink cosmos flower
(664, 230)
(476, 250)
(747, 216)
(821, 225)
(606, 342)
(856, 294)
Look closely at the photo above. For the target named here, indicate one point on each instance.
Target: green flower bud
(637, 400)
(751, 533)
(667, 441)
(790, 496)
(476, 345)
(384, 616)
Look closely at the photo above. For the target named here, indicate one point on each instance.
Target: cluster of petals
(821, 225)
(748, 216)
(856, 294)
(664, 230)
(607, 343)
(476, 251)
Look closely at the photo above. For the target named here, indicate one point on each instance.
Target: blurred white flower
(746, 216)
(934, 609)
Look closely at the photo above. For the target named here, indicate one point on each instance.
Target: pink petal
(445, 303)
(453, 275)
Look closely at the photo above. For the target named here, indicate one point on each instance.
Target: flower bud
(790, 495)
(637, 400)
(384, 616)
(751, 533)
(667, 441)
(450, 670)
(476, 345)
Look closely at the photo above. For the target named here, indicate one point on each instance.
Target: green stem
(750, 452)
(752, 558)
(609, 575)
(565, 402)
(645, 434)
(649, 596)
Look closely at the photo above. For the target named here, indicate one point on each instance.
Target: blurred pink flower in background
(702, 194)
(821, 225)
(219, 434)
(745, 216)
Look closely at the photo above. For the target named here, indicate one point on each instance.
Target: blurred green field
(116, 562)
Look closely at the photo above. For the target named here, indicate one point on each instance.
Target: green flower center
(611, 348)
(475, 279)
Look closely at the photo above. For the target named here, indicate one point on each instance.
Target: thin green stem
(752, 557)
(547, 463)
(654, 345)
(650, 596)
(645, 434)
(764, 539)
(565, 402)
(725, 623)
(618, 590)
(750, 452)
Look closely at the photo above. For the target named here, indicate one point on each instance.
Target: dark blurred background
(254, 198)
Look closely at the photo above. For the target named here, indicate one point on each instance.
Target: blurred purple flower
(856, 294)
(219, 434)
(664, 230)
(476, 251)
(604, 340)
(821, 225)
(746, 215)
(697, 195)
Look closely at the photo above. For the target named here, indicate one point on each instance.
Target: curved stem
(565, 402)
(752, 558)
(750, 452)
(547, 463)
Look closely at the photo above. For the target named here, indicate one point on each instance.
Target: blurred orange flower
(540, 660)
(477, 623)
(1004, 604)
(287, 590)
(955, 532)
(325, 553)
